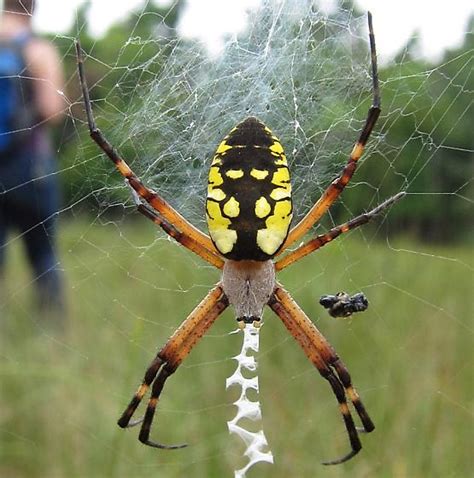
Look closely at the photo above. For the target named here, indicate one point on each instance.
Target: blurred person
(31, 80)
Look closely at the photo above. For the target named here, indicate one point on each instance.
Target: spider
(248, 211)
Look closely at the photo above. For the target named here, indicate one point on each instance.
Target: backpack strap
(18, 42)
(18, 110)
(23, 38)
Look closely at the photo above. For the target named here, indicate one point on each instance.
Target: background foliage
(410, 355)
(429, 136)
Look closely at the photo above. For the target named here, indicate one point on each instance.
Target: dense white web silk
(245, 377)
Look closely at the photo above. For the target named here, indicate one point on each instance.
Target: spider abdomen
(249, 207)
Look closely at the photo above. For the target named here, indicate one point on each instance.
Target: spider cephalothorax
(249, 211)
(248, 285)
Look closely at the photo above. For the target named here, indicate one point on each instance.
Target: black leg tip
(343, 459)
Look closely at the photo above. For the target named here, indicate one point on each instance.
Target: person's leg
(3, 241)
(40, 242)
(38, 224)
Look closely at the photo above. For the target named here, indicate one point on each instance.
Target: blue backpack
(16, 97)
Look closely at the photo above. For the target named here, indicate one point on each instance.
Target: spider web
(305, 72)
(287, 70)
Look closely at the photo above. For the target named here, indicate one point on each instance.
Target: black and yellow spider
(249, 211)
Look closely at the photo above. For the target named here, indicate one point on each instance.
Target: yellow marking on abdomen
(282, 161)
(224, 239)
(215, 193)
(232, 208)
(268, 241)
(272, 237)
(259, 173)
(234, 173)
(280, 215)
(216, 219)
(281, 177)
(215, 177)
(218, 225)
(222, 148)
(281, 193)
(276, 147)
(262, 208)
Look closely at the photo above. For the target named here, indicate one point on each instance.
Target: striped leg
(337, 186)
(169, 358)
(323, 239)
(322, 355)
(184, 240)
(148, 195)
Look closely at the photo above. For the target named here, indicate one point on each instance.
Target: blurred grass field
(410, 356)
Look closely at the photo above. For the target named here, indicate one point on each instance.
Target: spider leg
(184, 240)
(323, 239)
(337, 186)
(323, 356)
(151, 197)
(169, 358)
(326, 351)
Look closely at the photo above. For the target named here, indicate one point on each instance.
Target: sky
(440, 26)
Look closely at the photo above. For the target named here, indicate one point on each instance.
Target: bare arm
(44, 65)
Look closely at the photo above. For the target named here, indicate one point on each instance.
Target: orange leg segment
(323, 239)
(184, 240)
(320, 352)
(169, 358)
(337, 186)
(151, 197)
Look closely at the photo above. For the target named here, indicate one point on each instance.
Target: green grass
(410, 356)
